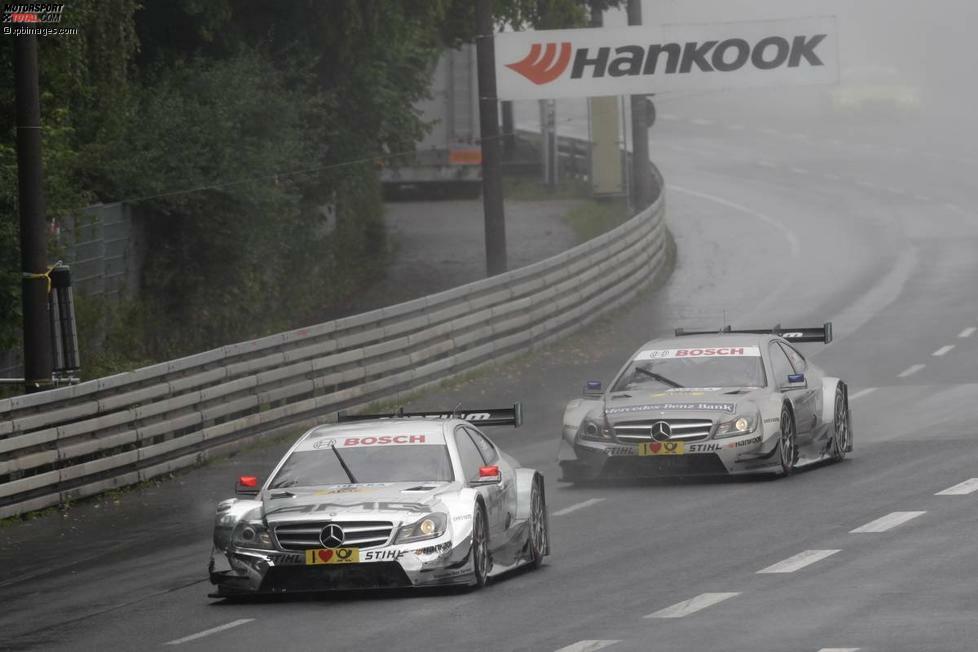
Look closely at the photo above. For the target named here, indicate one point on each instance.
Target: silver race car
(379, 501)
(705, 403)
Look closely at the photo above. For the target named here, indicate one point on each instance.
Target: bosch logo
(661, 431)
(544, 64)
(332, 536)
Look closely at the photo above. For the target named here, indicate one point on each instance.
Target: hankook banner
(639, 60)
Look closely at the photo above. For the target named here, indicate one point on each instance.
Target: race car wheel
(788, 446)
(480, 549)
(539, 534)
(842, 439)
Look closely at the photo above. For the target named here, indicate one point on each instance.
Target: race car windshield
(672, 373)
(307, 468)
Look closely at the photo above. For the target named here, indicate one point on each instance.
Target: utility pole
(641, 174)
(509, 131)
(33, 243)
(492, 187)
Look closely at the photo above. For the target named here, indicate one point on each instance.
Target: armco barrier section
(68, 443)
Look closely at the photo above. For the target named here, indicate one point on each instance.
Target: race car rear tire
(842, 437)
(481, 561)
(787, 444)
(539, 538)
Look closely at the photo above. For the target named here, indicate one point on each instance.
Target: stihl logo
(542, 69)
(545, 64)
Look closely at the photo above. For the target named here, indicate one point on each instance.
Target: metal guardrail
(69, 443)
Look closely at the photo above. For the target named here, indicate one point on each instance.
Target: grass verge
(594, 217)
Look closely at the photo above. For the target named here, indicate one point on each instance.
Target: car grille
(682, 430)
(356, 534)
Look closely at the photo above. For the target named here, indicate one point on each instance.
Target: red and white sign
(704, 352)
(640, 60)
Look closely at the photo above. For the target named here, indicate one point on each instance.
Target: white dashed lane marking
(887, 522)
(911, 370)
(574, 508)
(942, 351)
(692, 605)
(969, 486)
(968, 332)
(587, 646)
(839, 649)
(799, 561)
(702, 122)
(861, 393)
(799, 170)
(208, 632)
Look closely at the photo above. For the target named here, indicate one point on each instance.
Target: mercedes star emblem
(661, 431)
(331, 536)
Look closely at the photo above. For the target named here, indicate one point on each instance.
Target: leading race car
(375, 501)
(710, 403)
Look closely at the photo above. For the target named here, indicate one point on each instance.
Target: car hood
(395, 500)
(714, 403)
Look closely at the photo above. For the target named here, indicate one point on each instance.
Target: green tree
(231, 125)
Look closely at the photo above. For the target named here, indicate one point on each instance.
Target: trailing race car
(710, 404)
(395, 500)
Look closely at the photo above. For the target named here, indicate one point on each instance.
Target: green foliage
(81, 79)
(594, 217)
(228, 126)
(523, 188)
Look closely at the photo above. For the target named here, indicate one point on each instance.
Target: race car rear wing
(512, 416)
(817, 334)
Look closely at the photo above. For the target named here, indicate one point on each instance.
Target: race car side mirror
(488, 475)
(795, 381)
(593, 388)
(247, 486)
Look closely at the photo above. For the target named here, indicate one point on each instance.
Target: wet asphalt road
(777, 219)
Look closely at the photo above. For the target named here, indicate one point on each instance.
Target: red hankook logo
(543, 68)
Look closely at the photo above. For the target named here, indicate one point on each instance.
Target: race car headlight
(593, 430)
(431, 526)
(739, 425)
(252, 535)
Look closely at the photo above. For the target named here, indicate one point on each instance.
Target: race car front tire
(788, 443)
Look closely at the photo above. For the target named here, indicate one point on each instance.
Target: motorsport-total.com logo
(33, 13)
(35, 19)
